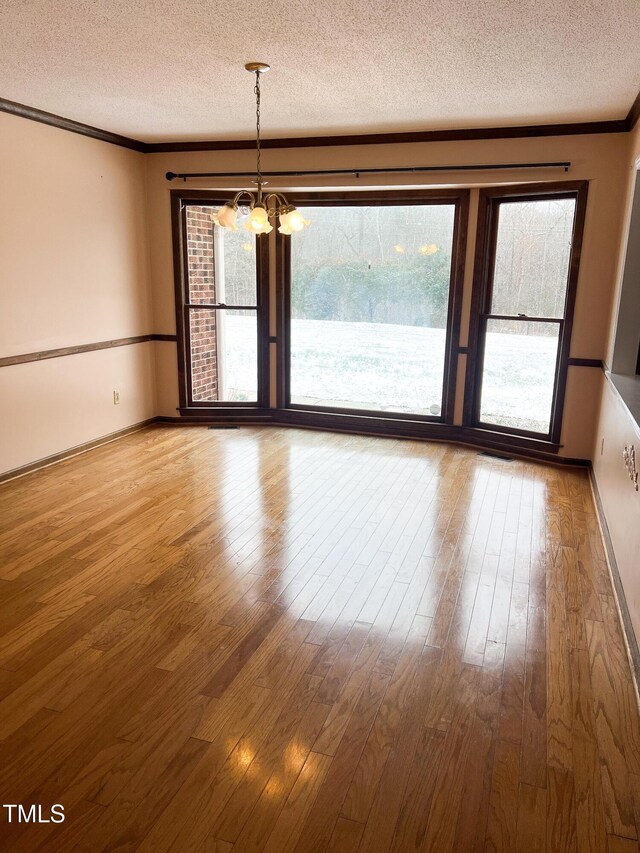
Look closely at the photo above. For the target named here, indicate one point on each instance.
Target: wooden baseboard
(631, 642)
(389, 428)
(73, 451)
(458, 438)
(268, 419)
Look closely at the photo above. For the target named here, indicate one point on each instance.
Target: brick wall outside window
(202, 289)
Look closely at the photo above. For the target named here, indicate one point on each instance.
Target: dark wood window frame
(484, 266)
(180, 200)
(321, 415)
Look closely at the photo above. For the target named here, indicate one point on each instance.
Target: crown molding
(457, 134)
(517, 132)
(33, 114)
(634, 113)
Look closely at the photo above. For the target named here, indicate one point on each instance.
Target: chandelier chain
(261, 208)
(256, 90)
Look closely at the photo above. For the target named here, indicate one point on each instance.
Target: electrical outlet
(116, 398)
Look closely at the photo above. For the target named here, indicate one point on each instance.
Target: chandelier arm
(280, 199)
(248, 193)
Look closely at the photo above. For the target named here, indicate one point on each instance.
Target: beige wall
(616, 428)
(85, 254)
(601, 159)
(73, 270)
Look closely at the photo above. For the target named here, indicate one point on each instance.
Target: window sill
(510, 439)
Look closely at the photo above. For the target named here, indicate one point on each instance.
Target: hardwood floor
(283, 640)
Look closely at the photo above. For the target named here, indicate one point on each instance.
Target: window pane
(369, 297)
(221, 264)
(532, 257)
(519, 374)
(224, 355)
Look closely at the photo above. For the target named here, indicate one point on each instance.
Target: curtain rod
(170, 176)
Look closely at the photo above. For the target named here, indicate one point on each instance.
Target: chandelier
(262, 207)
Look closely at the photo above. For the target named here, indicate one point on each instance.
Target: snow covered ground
(398, 368)
(367, 365)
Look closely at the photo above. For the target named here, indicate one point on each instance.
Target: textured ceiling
(173, 69)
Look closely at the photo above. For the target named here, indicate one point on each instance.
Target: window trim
(459, 198)
(180, 200)
(484, 266)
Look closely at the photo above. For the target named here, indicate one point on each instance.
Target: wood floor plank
(616, 844)
(281, 759)
(501, 832)
(323, 816)
(413, 819)
(513, 693)
(611, 737)
(533, 758)
(290, 823)
(532, 819)
(387, 804)
(449, 783)
(271, 639)
(346, 836)
(561, 811)
(474, 807)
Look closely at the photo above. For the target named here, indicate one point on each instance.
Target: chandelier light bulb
(258, 221)
(292, 220)
(284, 228)
(226, 216)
